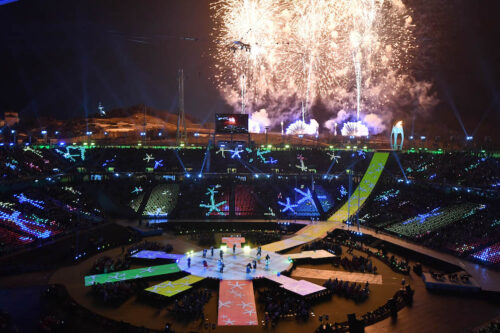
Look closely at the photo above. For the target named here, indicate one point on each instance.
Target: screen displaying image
(231, 123)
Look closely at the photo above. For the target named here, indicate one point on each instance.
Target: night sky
(61, 58)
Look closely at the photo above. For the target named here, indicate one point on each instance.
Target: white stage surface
(299, 287)
(235, 265)
(322, 274)
(318, 254)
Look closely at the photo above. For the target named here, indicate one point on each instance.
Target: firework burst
(350, 54)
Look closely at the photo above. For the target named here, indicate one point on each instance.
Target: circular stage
(235, 264)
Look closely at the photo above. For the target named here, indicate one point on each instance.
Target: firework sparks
(346, 53)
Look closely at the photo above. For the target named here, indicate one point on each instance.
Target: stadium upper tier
(461, 169)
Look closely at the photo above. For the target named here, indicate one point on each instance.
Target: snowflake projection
(385, 196)
(35, 203)
(222, 151)
(107, 162)
(236, 153)
(226, 304)
(158, 164)
(30, 227)
(67, 154)
(362, 154)
(306, 196)
(287, 206)
(12, 165)
(302, 166)
(334, 157)
(421, 218)
(271, 161)
(137, 190)
(148, 158)
(269, 212)
(34, 151)
(212, 206)
(261, 155)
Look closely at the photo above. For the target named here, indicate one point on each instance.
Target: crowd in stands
(37, 215)
(190, 306)
(278, 304)
(398, 265)
(451, 222)
(116, 293)
(491, 327)
(107, 264)
(150, 246)
(455, 168)
(358, 264)
(354, 291)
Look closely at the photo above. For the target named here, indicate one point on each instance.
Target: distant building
(11, 118)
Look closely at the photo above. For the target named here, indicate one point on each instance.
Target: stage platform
(236, 304)
(318, 254)
(299, 287)
(322, 274)
(131, 274)
(146, 254)
(235, 264)
(172, 288)
(445, 284)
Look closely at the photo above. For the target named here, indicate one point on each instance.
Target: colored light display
(131, 274)
(222, 151)
(212, 206)
(23, 199)
(386, 195)
(236, 153)
(158, 164)
(490, 254)
(137, 190)
(148, 158)
(302, 166)
(333, 157)
(68, 153)
(305, 204)
(162, 200)
(288, 206)
(437, 218)
(324, 198)
(34, 151)
(32, 228)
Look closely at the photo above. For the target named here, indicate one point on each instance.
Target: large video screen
(231, 123)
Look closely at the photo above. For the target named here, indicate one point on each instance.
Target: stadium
(255, 209)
